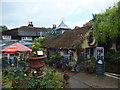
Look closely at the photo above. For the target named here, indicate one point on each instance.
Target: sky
(45, 13)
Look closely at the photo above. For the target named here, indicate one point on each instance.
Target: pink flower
(67, 74)
(79, 41)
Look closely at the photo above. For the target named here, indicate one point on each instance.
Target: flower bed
(89, 68)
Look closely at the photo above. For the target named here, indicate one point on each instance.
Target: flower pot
(37, 62)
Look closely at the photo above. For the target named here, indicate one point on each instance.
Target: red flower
(65, 71)
(67, 74)
(87, 66)
(66, 78)
(52, 66)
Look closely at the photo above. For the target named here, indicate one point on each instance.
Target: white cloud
(48, 12)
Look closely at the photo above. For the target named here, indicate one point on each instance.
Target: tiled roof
(33, 28)
(66, 40)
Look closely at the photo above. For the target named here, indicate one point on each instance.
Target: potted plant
(36, 58)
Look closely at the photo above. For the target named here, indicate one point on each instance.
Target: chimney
(30, 24)
(54, 26)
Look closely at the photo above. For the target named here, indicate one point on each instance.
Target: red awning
(16, 48)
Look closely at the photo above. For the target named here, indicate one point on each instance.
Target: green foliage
(37, 46)
(113, 56)
(37, 43)
(13, 76)
(107, 24)
(21, 55)
(56, 56)
(51, 79)
(3, 28)
(77, 43)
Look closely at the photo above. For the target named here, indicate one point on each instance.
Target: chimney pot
(54, 26)
(30, 24)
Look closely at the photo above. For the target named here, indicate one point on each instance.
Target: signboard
(100, 67)
(39, 52)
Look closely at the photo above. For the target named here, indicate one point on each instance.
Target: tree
(107, 24)
(2, 28)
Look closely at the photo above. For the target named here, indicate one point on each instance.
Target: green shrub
(113, 56)
(51, 79)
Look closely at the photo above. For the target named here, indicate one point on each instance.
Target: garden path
(86, 80)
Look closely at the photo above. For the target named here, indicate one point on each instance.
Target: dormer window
(6, 37)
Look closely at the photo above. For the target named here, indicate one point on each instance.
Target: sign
(39, 52)
(100, 67)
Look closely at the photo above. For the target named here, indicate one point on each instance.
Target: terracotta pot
(37, 62)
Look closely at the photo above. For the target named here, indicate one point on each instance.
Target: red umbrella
(16, 48)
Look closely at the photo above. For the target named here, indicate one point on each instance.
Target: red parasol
(16, 48)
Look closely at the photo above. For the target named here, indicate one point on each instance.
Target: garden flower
(65, 71)
(34, 53)
(79, 41)
(25, 74)
(67, 74)
(81, 35)
(35, 71)
(52, 66)
(33, 45)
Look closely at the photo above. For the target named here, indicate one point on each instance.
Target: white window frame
(27, 38)
(6, 37)
(40, 34)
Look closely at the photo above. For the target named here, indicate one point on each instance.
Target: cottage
(73, 41)
(27, 33)
(24, 33)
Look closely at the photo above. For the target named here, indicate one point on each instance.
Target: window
(89, 52)
(40, 34)
(90, 38)
(26, 38)
(65, 52)
(6, 37)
